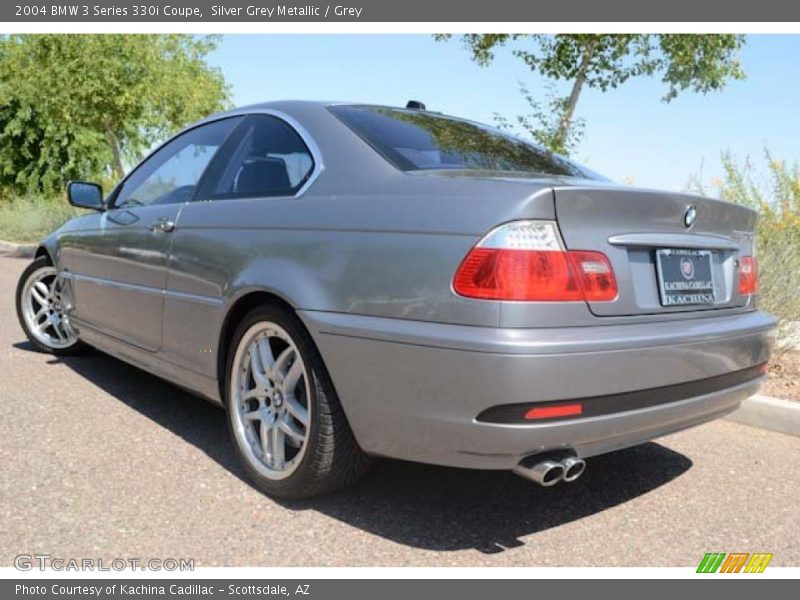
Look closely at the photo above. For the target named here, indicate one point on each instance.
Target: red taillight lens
(525, 261)
(498, 274)
(595, 274)
(748, 276)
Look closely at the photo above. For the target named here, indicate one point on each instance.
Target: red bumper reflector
(552, 412)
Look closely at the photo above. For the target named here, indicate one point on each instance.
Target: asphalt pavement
(99, 459)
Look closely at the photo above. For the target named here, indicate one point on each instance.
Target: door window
(170, 175)
(269, 159)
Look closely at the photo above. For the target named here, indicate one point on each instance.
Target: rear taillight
(595, 274)
(526, 261)
(748, 276)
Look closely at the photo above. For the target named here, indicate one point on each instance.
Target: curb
(17, 250)
(766, 412)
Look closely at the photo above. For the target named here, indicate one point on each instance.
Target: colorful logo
(734, 562)
(687, 268)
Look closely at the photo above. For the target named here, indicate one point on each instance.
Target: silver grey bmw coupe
(352, 281)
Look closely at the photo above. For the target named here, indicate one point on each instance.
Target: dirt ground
(784, 376)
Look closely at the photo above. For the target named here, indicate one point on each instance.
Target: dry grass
(30, 218)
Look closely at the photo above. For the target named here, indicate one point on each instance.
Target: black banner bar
(458, 11)
(729, 587)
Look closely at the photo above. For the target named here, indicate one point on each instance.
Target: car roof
(292, 107)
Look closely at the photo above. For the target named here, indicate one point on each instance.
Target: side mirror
(84, 194)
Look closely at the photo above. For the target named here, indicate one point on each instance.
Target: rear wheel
(287, 424)
(41, 310)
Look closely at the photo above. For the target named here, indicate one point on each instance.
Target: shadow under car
(422, 506)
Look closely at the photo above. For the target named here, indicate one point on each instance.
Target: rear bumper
(412, 390)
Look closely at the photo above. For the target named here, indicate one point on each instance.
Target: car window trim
(112, 198)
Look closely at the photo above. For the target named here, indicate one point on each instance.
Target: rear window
(413, 140)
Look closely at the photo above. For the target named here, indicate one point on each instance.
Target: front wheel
(41, 310)
(287, 424)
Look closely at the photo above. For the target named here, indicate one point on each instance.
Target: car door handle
(163, 225)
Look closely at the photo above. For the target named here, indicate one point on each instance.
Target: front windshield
(414, 140)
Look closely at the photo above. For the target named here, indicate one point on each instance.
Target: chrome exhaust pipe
(573, 468)
(545, 473)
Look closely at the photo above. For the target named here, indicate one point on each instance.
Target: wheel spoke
(279, 367)
(291, 430)
(252, 415)
(251, 394)
(256, 369)
(67, 327)
(266, 441)
(278, 447)
(297, 410)
(265, 354)
(292, 377)
(59, 333)
(39, 292)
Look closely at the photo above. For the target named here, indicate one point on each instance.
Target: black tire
(332, 459)
(75, 348)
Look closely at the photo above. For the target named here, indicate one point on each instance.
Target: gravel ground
(784, 376)
(103, 460)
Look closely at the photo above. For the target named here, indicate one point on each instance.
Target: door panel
(122, 285)
(120, 289)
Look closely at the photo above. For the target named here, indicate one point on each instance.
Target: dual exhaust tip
(549, 472)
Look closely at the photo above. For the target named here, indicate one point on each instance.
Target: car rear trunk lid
(632, 227)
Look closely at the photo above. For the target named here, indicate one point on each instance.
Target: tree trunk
(577, 85)
(116, 154)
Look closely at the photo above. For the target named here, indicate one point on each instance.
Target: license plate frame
(681, 284)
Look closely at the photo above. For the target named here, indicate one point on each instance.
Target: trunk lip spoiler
(673, 240)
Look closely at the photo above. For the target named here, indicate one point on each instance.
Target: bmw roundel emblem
(690, 215)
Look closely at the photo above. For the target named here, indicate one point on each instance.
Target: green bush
(779, 273)
(30, 218)
(773, 190)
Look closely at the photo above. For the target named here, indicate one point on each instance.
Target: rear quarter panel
(389, 251)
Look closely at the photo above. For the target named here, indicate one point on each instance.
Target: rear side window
(413, 140)
(267, 158)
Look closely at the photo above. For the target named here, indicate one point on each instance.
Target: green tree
(543, 124)
(78, 106)
(700, 63)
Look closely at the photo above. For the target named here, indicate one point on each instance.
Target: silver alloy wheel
(43, 308)
(270, 400)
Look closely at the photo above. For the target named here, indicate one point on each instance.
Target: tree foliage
(699, 63)
(85, 106)
(772, 187)
(543, 123)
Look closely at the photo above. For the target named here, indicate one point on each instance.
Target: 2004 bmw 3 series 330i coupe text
(353, 281)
